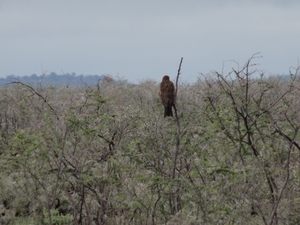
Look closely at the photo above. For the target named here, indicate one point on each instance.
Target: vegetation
(105, 154)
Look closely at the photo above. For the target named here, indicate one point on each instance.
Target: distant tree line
(70, 79)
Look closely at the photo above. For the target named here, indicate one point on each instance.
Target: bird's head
(166, 77)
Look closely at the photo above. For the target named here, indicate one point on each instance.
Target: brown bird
(167, 95)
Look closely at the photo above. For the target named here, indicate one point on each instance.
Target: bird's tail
(168, 111)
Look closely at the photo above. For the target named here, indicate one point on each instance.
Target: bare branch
(178, 124)
(38, 94)
(178, 73)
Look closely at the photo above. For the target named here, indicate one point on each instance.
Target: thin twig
(178, 73)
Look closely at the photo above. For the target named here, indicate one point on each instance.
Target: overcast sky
(141, 40)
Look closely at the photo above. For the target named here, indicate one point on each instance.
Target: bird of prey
(167, 95)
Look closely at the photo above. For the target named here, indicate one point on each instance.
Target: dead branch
(177, 122)
(38, 94)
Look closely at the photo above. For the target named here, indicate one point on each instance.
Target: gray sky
(142, 39)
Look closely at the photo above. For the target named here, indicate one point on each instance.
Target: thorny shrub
(105, 154)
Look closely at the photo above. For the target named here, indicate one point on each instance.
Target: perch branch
(177, 122)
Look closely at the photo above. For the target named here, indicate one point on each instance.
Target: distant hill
(54, 79)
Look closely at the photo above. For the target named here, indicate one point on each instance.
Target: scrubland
(104, 154)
